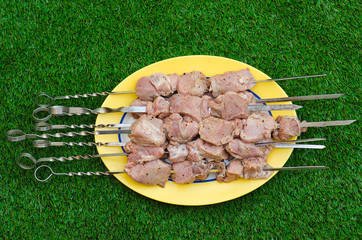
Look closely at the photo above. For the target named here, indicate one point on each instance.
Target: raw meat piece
(183, 172)
(148, 131)
(242, 150)
(257, 127)
(205, 109)
(193, 83)
(179, 129)
(254, 168)
(239, 127)
(234, 171)
(151, 173)
(160, 107)
(216, 131)
(187, 105)
(177, 153)
(288, 127)
(142, 154)
(221, 173)
(211, 152)
(201, 169)
(232, 105)
(174, 79)
(234, 81)
(194, 153)
(145, 90)
(158, 84)
(140, 103)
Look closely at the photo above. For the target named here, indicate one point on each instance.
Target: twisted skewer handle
(44, 126)
(45, 100)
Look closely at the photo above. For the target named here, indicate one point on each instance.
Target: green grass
(63, 47)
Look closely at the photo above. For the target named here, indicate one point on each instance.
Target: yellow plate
(203, 193)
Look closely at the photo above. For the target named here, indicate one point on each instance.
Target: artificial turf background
(68, 47)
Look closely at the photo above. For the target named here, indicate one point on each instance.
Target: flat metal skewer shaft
(289, 78)
(299, 98)
(326, 123)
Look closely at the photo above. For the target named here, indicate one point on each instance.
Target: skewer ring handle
(15, 135)
(23, 165)
(42, 109)
(40, 143)
(46, 102)
(43, 126)
(43, 179)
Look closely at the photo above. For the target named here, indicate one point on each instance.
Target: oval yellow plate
(200, 193)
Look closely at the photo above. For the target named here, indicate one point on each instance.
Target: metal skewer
(44, 126)
(326, 123)
(61, 159)
(109, 173)
(18, 135)
(40, 143)
(289, 78)
(71, 111)
(48, 100)
(299, 98)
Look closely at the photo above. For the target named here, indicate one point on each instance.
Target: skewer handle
(40, 143)
(44, 126)
(45, 100)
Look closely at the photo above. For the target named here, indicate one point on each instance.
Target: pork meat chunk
(288, 127)
(152, 173)
(183, 172)
(234, 171)
(139, 103)
(234, 81)
(257, 127)
(216, 131)
(211, 152)
(201, 170)
(142, 154)
(232, 105)
(254, 168)
(187, 105)
(242, 150)
(158, 84)
(193, 83)
(194, 152)
(180, 129)
(177, 153)
(148, 131)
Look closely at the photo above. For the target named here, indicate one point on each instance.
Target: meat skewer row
(45, 100)
(177, 101)
(196, 84)
(109, 173)
(144, 154)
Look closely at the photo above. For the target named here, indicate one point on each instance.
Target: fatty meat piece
(234, 81)
(216, 131)
(242, 150)
(142, 154)
(180, 129)
(183, 172)
(211, 152)
(177, 153)
(151, 173)
(254, 168)
(257, 127)
(187, 105)
(288, 127)
(148, 131)
(193, 83)
(232, 105)
(194, 153)
(201, 169)
(158, 84)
